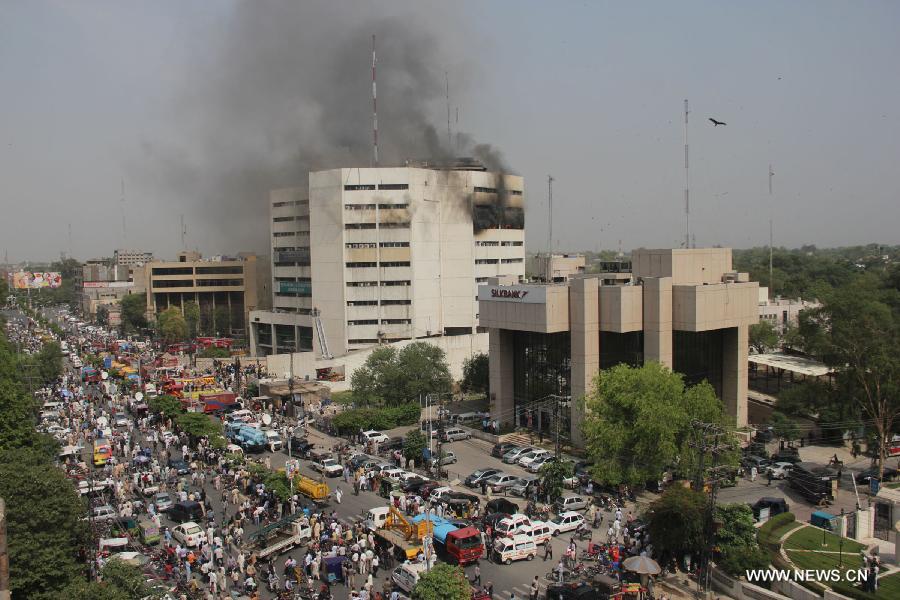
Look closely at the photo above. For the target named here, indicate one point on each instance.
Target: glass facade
(618, 348)
(698, 356)
(541, 367)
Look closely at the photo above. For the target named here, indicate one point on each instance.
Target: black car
(300, 448)
(180, 466)
(776, 506)
(788, 455)
(863, 477)
(500, 449)
(475, 479)
(181, 512)
(413, 485)
(359, 460)
(501, 505)
(492, 519)
(394, 443)
(475, 500)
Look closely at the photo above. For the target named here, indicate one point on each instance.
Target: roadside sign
(874, 485)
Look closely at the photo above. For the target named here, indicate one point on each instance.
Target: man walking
(548, 551)
(534, 588)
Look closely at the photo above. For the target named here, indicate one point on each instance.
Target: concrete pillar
(500, 364)
(658, 320)
(734, 372)
(584, 326)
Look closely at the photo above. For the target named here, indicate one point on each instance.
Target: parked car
(104, 513)
(374, 436)
(474, 480)
(328, 467)
(567, 521)
(776, 506)
(188, 534)
(527, 458)
(535, 465)
(755, 461)
(358, 460)
(500, 482)
(570, 502)
(779, 470)
(524, 486)
(163, 501)
(513, 455)
(415, 485)
(501, 505)
(502, 448)
(300, 448)
(455, 434)
(448, 458)
(863, 477)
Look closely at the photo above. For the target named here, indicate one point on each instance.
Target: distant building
(684, 308)
(131, 257)
(387, 254)
(223, 288)
(781, 312)
(554, 268)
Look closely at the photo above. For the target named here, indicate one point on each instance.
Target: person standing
(534, 588)
(477, 579)
(548, 551)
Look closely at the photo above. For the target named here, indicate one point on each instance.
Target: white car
(105, 513)
(529, 457)
(188, 534)
(328, 467)
(780, 470)
(567, 521)
(394, 474)
(375, 436)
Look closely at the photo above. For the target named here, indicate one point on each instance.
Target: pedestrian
(477, 579)
(753, 473)
(548, 551)
(534, 588)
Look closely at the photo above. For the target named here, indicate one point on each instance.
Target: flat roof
(795, 364)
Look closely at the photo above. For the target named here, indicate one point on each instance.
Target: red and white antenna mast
(374, 109)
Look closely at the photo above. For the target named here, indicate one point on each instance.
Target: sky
(199, 108)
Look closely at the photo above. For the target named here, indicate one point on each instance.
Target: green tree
(118, 581)
(48, 362)
(676, 522)
(222, 320)
(134, 309)
(857, 333)
(553, 476)
(198, 425)
(443, 582)
(394, 378)
(372, 383)
(476, 374)
(763, 337)
(641, 422)
(192, 318)
(44, 526)
(171, 325)
(168, 406)
(784, 427)
(213, 352)
(102, 316)
(414, 444)
(738, 549)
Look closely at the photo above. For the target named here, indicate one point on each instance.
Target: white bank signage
(523, 294)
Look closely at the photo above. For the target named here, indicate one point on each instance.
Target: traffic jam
(225, 495)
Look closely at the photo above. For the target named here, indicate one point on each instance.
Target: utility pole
(440, 438)
(556, 418)
(771, 230)
(5, 594)
(550, 215)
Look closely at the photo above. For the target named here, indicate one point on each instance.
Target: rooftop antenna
(374, 109)
(550, 214)
(457, 132)
(122, 207)
(183, 233)
(449, 137)
(70, 239)
(687, 182)
(771, 230)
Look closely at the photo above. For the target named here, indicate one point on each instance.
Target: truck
(249, 438)
(402, 535)
(90, 375)
(279, 537)
(460, 544)
(216, 401)
(317, 491)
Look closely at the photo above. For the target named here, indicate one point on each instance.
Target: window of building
(359, 225)
(393, 283)
(698, 356)
(395, 264)
(362, 283)
(284, 248)
(541, 369)
(485, 190)
(487, 244)
(363, 322)
(390, 206)
(621, 348)
(486, 261)
(362, 341)
(283, 219)
(515, 192)
(396, 321)
(393, 186)
(359, 246)
(511, 243)
(362, 302)
(359, 187)
(507, 261)
(480, 280)
(402, 225)
(359, 206)
(232, 270)
(394, 244)
(396, 302)
(219, 282)
(360, 265)
(172, 283)
(173, 271)
(289, 203)
(283, 234)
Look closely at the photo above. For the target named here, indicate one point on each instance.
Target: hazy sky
(203, 105)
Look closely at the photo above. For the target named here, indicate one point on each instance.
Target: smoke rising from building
(285, 89)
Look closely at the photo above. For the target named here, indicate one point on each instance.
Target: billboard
(25, 280)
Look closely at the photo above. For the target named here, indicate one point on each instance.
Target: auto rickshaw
(389, 488)
(149, 532)
(333, 567)
(124, 526)
(460, 508)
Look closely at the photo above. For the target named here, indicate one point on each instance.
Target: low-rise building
(554, 268)
(781, 312)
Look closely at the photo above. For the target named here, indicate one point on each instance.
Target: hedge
(351, 421)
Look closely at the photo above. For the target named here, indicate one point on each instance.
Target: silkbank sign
(522, 294)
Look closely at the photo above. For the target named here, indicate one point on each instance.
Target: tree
(858, 335)
(166, 405)
(198, 425)
(44, 527)
(48, 362)
(443, 582)
(192, 318)
(222, 320)
(394, 378)
(641, 422)
(763, 337)
(476, 374)
(372, 382)
(738, 549)
(102, 316)
(784, 427)
(214, 352)
(134, 309)
(676, 522)
(553, 476)
(171, 325)
(118, 581)
(414, 444)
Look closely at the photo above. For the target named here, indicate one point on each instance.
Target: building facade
(684, 308)
(387, 254)
(131, 257)
(554, 268)
(781, 312)
(225, 289)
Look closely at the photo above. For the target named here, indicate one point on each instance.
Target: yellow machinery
(404, 536)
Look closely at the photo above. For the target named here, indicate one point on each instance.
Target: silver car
(513, 455)
(500, 482)
(524, 486)
(570, 502)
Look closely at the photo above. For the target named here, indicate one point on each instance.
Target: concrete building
(226, 289)
(387, 254)
(684, 308)
(132, 257)
(554, 268)
(781, 312)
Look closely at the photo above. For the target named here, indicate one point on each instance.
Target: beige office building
(684, 308)
(387, 254)
(226, 289)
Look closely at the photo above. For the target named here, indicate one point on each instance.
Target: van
(406, 576)
(182, 512)
(273, 440)
(454, 434)
(102, 453)
(540, 532)
(508, 549)
(514, 525)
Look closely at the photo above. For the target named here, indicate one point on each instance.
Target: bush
(351, 421)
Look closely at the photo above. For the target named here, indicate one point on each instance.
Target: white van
(514, 525)
(454, 434)
(273, 440)
(508, 549)
(406, 576)
(540, 532)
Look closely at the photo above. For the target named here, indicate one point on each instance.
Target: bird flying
(717, 123)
